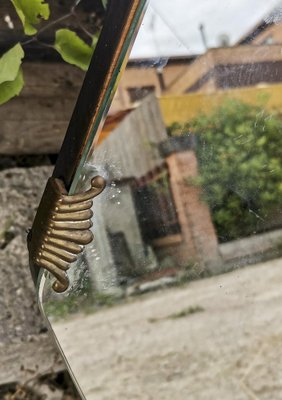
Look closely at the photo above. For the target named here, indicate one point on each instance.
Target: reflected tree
(240, 160)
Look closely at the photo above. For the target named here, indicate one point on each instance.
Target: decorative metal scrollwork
(61, 229)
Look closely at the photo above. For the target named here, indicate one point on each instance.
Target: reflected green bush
(239, 149)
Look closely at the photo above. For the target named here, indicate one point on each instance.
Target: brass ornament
(61, 229)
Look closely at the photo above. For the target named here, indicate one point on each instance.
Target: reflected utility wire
(170, 27)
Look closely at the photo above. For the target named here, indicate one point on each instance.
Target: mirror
(179, 294)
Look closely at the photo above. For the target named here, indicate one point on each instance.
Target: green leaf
(10, 89)
(73, 49)
(10, 63)
(11, 77)
(30, 13)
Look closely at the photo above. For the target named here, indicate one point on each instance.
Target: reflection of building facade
(231, 67)
(217, 69)
(267, 31)
(146, 76)
(255, 60)
(154, 216)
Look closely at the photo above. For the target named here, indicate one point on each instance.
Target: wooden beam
(36, 121)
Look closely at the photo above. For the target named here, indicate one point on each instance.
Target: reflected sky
(171, 28)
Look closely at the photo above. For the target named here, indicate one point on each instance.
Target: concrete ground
(215, 339)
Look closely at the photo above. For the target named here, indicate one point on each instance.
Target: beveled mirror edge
(42, 280)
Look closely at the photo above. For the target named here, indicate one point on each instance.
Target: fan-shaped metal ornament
(61, 229)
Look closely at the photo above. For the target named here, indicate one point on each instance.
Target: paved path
(230, 351)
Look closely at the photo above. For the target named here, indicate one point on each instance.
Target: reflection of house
(153, 214)
(148, 76)
(231, 67)
(256, 59)
(265, 34)
(221, 68)
(267, 31)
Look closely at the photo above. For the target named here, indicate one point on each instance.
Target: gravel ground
(21, 190)
(218, 338)
(20, 321)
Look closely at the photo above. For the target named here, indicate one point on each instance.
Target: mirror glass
(179, 295)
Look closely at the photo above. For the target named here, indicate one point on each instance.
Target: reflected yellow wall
(184, 107)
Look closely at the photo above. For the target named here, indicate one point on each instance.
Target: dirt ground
(215, 339)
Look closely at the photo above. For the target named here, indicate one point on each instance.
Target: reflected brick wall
(198, 237)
